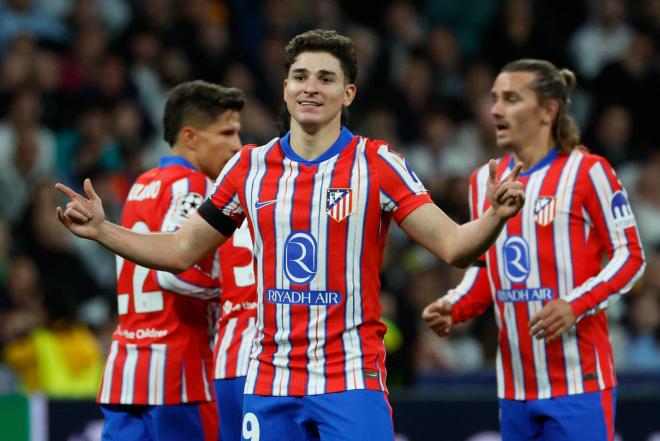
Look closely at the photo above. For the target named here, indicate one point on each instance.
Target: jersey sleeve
(401, 191)
(202, 280)
(225, 193)
(473, 295)
(608, 209)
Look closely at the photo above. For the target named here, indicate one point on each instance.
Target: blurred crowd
(82, 89)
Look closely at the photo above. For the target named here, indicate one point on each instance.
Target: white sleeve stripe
(171, 282)
(397, 164)
(469, 279)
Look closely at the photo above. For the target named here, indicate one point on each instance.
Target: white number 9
(250, 427)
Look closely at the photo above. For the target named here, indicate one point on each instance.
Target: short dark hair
(320, 40)
(197, 103)
(551, 83)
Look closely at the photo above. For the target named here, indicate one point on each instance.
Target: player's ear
(188, 137)
(550, 111)
(349, 94)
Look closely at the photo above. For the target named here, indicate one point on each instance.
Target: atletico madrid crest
(544, 210)
(339, 203)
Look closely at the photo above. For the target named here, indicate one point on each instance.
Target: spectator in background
(27, 153)
(642, 343)
(23, 17)
(603, 39)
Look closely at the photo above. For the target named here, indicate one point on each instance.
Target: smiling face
(519, 117)
(215, 144)
(316, 91)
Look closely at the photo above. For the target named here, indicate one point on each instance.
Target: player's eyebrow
(322, 72)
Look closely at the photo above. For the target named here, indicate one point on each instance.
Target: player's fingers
(80, 208)
(515, 172)
(492, 170)
(60, 216)
(75, 216)
(67, 191)
(556, 334)
(444, 307)
(89, 190)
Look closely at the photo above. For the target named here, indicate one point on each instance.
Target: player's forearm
(160, 251)
(467, 242)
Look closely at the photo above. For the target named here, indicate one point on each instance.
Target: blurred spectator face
(518, 115)
(145, 48)
(437, 129)
(47, 71)
(90, 45)
(112, 78)
(17, 65)
(94, 125)
(443, 48)
(23, 282)
(86, 13)
(614, 127)
(217, 143)
(645, 312)
(609, 12)
(174, 66)
(213, 37)
(316, 90)
(518, 20)
(127, 120)
(26, 109)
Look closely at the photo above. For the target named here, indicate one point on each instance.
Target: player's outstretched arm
(174, 252)
(460, 245)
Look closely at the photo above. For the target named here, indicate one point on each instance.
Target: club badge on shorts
(544, 210)
(339, 203)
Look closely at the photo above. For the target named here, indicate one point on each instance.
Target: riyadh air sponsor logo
(300, 263)
(516, 259)
(303, 297)
(263, 204)
(525, 294)
(339, 203)
(544, 210)
(623, 216)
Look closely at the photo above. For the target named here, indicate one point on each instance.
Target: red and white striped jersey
(161, 350)
(317, 267)
(238, 298)
(576, 214)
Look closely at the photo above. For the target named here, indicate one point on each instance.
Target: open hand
(437, 316)
(506, 196)
(82, 216)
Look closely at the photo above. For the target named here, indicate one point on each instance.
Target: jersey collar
(345, 137)
(552, 154)
(166, 161)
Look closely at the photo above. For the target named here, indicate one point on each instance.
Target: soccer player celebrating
(157, 380)
(544, 276)
(318, 203)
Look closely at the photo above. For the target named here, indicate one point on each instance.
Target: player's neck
(189, 155)
(533, 153)
(310, 145)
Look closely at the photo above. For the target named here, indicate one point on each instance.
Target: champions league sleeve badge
(339, 203)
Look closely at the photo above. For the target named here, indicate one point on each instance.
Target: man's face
(315, 90)
(516, 110)
(218, 142)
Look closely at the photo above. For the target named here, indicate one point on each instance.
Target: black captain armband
(480, 264)
(221, 222)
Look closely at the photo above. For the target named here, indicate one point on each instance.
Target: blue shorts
(340, 416)
(169, 422)
(229, 396)
(584, 417)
